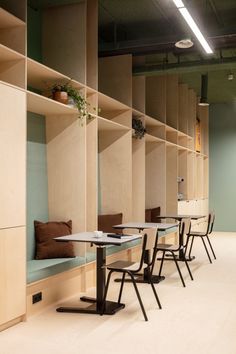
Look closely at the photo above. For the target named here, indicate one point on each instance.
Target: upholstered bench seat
(40, 269)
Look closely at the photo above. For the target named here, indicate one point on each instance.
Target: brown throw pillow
(148, 215)
(105, 222)
(151, 214)
(46, 246)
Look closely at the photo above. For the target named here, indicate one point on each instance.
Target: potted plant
(67, 94)
(139, 129)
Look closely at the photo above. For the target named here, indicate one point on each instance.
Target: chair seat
(197, 233)
(168, 247)
(123, 265)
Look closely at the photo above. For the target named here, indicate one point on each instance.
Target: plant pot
(60, 96)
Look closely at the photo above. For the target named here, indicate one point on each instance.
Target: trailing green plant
(76, 99)
(139, 129)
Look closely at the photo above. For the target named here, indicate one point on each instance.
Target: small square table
(111, 307)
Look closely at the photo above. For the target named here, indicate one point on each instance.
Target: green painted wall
(37, 184)
(223, 165)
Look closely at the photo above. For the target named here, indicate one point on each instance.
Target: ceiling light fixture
(184, 43)
(192, 24)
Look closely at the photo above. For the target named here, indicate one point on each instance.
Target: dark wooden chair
(132, 269)
(173, 250)
(203, 236)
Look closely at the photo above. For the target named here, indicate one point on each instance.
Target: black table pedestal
(95, 306)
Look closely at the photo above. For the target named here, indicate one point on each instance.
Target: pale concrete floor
(198, 319)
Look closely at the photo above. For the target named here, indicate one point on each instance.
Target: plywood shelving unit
(98, 167)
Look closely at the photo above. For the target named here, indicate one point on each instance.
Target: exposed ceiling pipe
(187, 66)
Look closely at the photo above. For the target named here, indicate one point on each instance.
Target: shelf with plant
(69, 95)
(139, 130)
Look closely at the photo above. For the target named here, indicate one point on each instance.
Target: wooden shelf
(46, 106)
(152, 122)
(110, 104)
(41, 77)
(7, 54)
(137, 114)
(107, 125)
(170, 129)
(8, 20)
(152, 139)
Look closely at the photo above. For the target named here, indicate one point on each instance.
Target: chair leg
(153, 264)
(155, 293)
(138, 296)
(211, 247)
(190, 273)
(206, 249)
(186, 247)
(178, 268)
(162, 260)
(191, 246)
(105, 292)
(121, 288)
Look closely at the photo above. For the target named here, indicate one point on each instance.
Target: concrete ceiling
(149, 29)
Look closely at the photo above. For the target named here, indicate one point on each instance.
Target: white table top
(146, 225)
(104, 240)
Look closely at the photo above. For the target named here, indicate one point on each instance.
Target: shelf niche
(155, 171)
(114, 171)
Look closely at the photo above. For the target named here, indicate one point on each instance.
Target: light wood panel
(156, 97)
(115, 77)
(172, 100)
(42, 77)
(66, 165)
(155, 128)
(46, 106)
(192, 104)
(14, 38)
(183, 172)
(203, 115)
(92, 174)
(205, 177)
(15, 8)
(12, 156)
(12, 274)
(183, 108)
(13, 72)
(138, 93)
(7, 20)
(155, 167)
(64, 39)
(171, 179)
(191, 175)
(8, 54)
(138, 179)
(199, 176)
(115, 173)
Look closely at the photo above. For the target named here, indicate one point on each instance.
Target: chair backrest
(184, 229)
(211, 220)
(142, 258)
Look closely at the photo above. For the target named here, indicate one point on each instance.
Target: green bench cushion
(40, 269)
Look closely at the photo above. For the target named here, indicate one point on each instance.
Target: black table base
(111, 308)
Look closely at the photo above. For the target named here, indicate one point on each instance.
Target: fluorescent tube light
(190, 21)
(178, 3)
